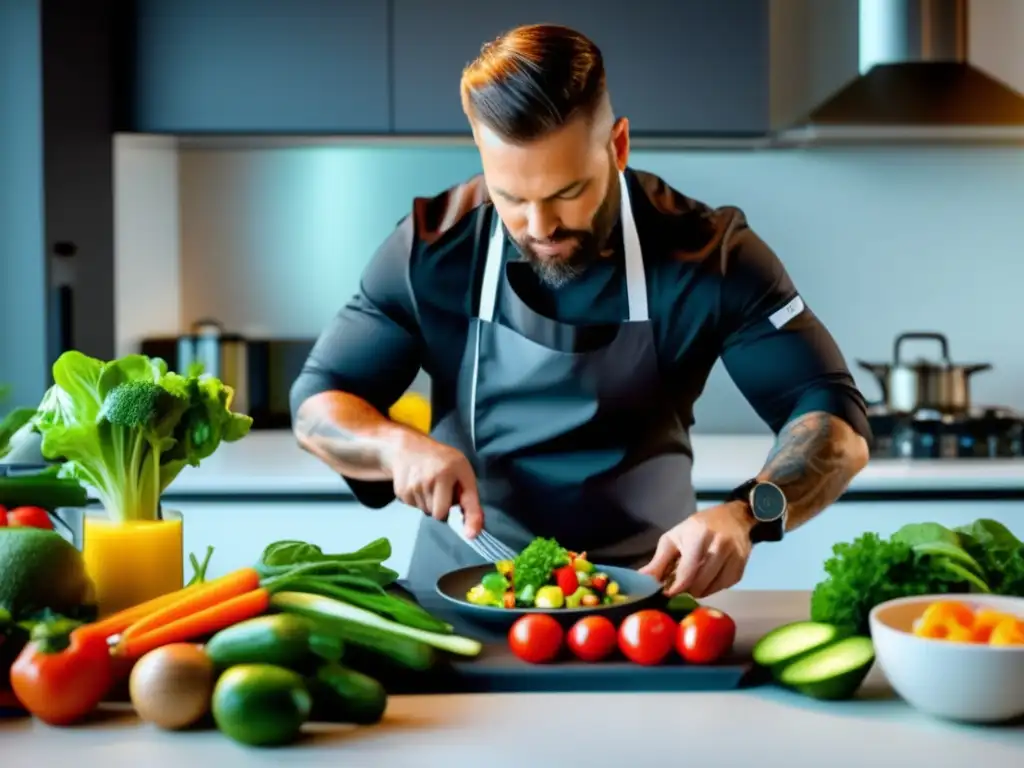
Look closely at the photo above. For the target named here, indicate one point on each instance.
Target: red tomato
(705, 636)
(3, 516)
(646, 637)
(29, 517)
(536, 638)
(592, 638)
(565, 578)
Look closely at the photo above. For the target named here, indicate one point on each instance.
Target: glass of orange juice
(132, 562)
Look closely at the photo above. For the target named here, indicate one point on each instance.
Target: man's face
(557, 196)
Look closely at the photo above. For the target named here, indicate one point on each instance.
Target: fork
(485, 545)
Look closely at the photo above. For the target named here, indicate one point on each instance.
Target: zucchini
(833, 672)
(343, 695)
(785, 644)
(282, 639)
(41, 490)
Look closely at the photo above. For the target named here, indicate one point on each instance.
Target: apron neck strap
(636, 280)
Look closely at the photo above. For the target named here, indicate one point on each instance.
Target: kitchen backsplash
(878, 240)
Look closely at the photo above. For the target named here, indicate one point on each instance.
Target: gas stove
(984, 432)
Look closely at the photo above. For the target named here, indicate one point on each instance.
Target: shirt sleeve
(371, 347)
(779, 354)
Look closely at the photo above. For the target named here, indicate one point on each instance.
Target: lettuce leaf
(128, 427)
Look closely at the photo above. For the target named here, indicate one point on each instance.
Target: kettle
(209, 349)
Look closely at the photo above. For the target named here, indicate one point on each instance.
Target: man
(568, 310)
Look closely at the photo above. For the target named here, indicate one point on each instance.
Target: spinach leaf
(913, 534)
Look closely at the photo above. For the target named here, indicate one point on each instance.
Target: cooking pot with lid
(910, 386)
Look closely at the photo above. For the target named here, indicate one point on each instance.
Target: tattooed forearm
(814, 459)
(346, 433)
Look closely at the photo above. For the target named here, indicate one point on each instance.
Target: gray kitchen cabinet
(259, 66)
(688, 67)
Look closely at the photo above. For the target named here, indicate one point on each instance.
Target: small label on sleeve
(782, 316)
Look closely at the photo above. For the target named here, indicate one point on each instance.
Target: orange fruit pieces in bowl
(956, 621)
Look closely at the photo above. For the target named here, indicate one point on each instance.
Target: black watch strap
(762, 530)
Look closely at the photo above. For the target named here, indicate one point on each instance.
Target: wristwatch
(767, 504)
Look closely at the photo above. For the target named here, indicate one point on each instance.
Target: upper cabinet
(683, 67)
(689, 67)
(260, 66)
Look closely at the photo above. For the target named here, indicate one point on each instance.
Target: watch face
(767, 502)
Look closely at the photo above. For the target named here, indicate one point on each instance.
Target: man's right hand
(433, 477)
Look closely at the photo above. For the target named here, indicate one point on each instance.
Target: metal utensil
(485, 545)
(910, 386)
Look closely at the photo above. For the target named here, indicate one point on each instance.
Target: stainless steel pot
(220, 354)
(909, 387)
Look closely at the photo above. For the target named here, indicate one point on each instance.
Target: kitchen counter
(270, 464)
(736, 728)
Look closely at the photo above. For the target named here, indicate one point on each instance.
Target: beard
(557, 271)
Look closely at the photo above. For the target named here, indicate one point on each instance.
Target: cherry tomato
(705, 636)
(29, 517)
(592, 638)
(536, 638)
(646, 637)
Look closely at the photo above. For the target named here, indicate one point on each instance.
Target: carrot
(118, 622)
(192, 626)
(204, 596)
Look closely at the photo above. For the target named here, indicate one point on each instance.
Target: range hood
(915, 84)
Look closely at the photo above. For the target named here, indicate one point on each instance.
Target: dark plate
(642, 591)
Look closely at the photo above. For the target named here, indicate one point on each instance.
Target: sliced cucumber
(789, 642)
(834, 672)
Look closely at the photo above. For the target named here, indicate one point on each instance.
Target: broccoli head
(135, 403)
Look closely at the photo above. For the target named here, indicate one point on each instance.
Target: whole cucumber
(343, 695)
(280, 639)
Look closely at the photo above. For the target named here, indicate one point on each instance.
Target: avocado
(41, 570)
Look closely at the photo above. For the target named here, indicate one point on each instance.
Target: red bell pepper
(566, 579)
(60, 676)
(3, 516)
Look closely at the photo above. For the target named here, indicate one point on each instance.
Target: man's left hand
(705, 553)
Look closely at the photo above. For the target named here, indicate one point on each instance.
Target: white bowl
(970, 682)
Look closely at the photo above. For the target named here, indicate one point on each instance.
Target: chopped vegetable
(565, 578)
(129, 426)
(61, 676)
(956, 621)
(833, 672)
(196, 625)
(334, 612)
(535, 564)
(784, 644)
(541, 570)
(549, 597)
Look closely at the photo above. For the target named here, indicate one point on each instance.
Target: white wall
(147, 264)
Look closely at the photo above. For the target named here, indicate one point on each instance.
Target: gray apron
(580, 444)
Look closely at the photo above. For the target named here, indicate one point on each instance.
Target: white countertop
(271, 462)
(753, 727)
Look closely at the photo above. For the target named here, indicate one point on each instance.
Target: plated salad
(546, 575)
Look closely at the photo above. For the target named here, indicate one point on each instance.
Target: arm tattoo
(342, 449)
(814, 459)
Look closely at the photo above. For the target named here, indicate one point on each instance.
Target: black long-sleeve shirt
(715, 290)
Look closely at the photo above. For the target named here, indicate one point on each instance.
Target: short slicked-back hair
(533, 80)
